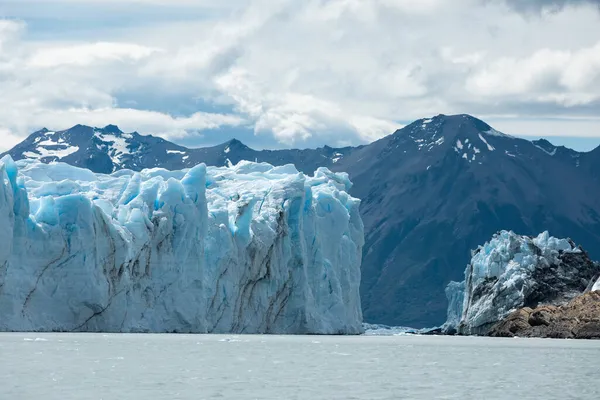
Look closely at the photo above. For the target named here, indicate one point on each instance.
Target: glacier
(247, 249)
(513, 271)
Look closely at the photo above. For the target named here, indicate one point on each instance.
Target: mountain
(108, 149)
(431, 192)
(434, 190)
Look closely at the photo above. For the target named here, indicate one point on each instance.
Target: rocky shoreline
(579, 319)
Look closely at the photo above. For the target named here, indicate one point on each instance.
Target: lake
(131, 366)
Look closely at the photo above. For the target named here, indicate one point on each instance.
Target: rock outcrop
(513, 272)
(579, 319)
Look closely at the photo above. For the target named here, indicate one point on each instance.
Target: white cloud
(548, 127)
(301, 73)
(87, 54)
(566, 77)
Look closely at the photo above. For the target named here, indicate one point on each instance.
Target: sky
(289, 73)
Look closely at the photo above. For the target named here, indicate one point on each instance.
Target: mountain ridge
(17, 151)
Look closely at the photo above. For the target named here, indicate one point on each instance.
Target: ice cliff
(512, 271)
(247, 249)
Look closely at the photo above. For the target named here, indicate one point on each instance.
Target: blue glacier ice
(247, 249)
(512, 271)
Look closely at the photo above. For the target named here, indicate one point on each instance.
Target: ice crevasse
(247, 249)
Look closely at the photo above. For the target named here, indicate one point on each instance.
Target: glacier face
(247, 249)
(513, 271)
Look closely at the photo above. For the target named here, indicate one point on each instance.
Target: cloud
(86, 54)
(60, 85)
(295, 73)
(560, 76)
(529, 6)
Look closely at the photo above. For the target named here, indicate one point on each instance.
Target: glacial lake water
(122, 366)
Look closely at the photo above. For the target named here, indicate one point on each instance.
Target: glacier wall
(513, 271)
(246, 249)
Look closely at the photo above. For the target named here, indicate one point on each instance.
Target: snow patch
(489, 146)
(493, 132)
(175, 152)
(551, 153)
(116, 146)
(459, 144)
(42, 152)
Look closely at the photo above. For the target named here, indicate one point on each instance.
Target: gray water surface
(124, 366)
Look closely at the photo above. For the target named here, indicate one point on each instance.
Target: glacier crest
(247, 249)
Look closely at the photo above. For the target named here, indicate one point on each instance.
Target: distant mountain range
(108, 149)
(431, 192)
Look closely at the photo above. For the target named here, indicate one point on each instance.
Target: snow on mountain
(512, 271)
(248, 249)
(108, 149)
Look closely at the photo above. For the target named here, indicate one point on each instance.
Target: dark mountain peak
(80, 130)
(449, 126)
(41, 131)
(545, 145)
(111, 129)
(456, 130)
(551, 149)
(234, 144)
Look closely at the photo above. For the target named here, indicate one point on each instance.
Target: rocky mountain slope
(431, 192)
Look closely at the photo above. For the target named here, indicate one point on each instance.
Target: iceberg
(513, 271)
(247, 249)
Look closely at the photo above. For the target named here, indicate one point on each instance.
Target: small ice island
(247, 249)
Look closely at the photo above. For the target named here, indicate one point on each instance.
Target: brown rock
(580, 319)
(513, 324)
(542, 316)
